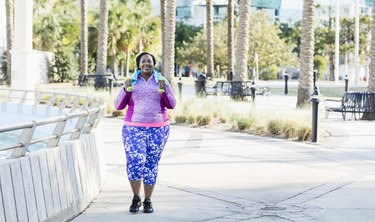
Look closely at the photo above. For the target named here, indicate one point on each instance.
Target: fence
(58, 182)
(87, 116)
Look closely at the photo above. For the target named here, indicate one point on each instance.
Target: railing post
(79, 126)
(59, 129)
(91, 122)
(25, 139)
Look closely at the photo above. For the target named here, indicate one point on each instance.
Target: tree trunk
(331, 58)
(102, 38)
(162, 18)
(84, 41)
(170, 27)
(10, 38)
(210, 39)
(230, 38)
(371, 81)
(242, 41)
(307, 53)
(127, 55)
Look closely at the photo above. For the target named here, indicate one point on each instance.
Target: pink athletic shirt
(146, 107)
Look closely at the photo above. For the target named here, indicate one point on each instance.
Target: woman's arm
(122, 99)
(168, 97)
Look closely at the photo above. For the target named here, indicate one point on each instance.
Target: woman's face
(146, 64)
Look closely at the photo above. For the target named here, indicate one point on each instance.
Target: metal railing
(85, 110)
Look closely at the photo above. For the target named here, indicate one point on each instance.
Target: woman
(146, 127)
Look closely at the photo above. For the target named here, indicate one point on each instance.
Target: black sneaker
(136, 204)
(147, 206)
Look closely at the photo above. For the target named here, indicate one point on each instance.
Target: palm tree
(10, 37)
(102, 38)
(307, 53)
(170, 27)
(84, 41)
(371, 83)
(210, 39)
(242, 41)
(163, 7)
(230, 37)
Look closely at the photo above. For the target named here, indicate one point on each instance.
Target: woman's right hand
(128, 85)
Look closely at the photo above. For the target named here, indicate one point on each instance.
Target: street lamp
(337, 42)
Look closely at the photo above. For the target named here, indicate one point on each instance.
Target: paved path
(210, 175)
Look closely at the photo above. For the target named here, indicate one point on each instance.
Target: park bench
(354, 103)
(236, 88)
(97, 80)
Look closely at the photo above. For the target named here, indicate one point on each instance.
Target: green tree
(272, 51)
(185, 34)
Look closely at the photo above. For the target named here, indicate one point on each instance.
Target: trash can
(200, 86)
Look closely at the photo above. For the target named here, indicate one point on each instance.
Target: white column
(22, 75)
(356, 46)
(337, 42)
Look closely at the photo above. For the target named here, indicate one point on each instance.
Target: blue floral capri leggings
(143, 148)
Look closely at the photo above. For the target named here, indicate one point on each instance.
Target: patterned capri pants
(143, 149)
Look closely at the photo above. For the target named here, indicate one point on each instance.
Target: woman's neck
(146, 76)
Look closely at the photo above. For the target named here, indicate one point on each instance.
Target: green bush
(275, 127)
(190, 119)
(304, 133)
(244, 123)
(321, 63)
(203, 120)
(270, 73)
(180, 119)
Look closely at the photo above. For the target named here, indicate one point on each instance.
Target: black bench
(355, 103)
(239, 89)
(97, 80)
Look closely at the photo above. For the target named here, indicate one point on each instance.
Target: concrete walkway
(211, 175)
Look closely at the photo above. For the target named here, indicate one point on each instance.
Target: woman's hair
(138, 59)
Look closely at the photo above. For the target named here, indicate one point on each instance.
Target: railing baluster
(59, 129)
(25, 138)
(79, 126)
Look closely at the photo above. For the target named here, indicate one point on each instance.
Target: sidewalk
(211, 175)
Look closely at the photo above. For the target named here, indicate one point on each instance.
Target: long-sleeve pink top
(146, 106)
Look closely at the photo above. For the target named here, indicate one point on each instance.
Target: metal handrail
(87, 117)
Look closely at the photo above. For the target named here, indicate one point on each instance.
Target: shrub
(244, 123)
(275, 127)
(304, 133)
(180, 119)
(203, 120)
(190, 119)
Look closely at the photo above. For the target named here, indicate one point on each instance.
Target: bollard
(253, 88)
(315, 106)
(315, 75)
(110, 82)
(179, 83)
(346, 82)
(286, 77)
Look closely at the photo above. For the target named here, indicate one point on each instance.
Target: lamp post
(257, 66)
(356, 39)
(346, 82)
(337, 42)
